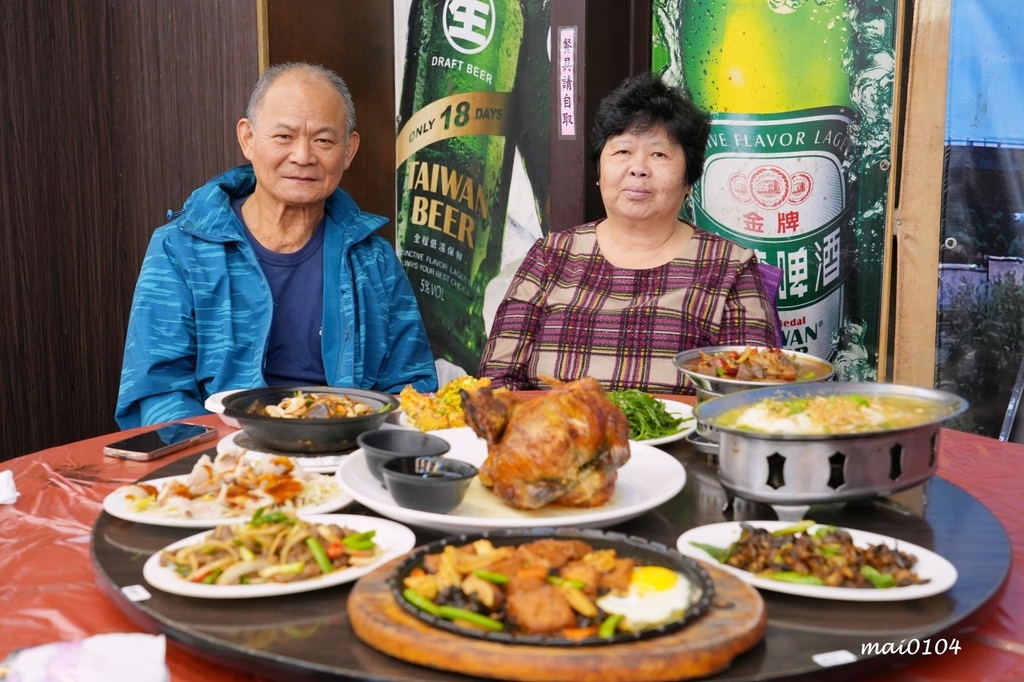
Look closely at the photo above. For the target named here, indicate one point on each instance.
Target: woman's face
(643, 175)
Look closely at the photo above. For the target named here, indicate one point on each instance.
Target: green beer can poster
(801, 95)
(455, 149)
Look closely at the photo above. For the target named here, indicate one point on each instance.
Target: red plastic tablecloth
(49, 592)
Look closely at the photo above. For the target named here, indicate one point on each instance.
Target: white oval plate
(676, 409)
(317, 464)
(118, 505)
(325, 463)
(406, 422)
(394, 539)
(649, 478)
(942, 573)
(215, 404)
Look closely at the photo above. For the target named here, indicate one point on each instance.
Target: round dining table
(54, 590)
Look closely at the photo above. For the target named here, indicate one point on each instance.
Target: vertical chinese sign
(567, 82)
(469, 154)
(801, 97)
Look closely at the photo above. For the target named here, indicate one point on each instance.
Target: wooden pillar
(917, 224)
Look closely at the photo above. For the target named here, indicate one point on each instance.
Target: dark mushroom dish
(823, 556)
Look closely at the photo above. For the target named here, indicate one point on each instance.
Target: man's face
(298, 143)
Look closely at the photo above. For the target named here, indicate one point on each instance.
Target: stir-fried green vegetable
(609, 625)
(450, 612)
(646, 415)
(262, 517)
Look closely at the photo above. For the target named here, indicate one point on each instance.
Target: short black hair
(643, 101)
(307, 69)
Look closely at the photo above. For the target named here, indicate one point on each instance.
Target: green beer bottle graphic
(777, 177)
(454, 156)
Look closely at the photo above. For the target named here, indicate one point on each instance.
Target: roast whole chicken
(562, 447)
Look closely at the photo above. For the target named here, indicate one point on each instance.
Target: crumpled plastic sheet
(49, 590)
(100, 658)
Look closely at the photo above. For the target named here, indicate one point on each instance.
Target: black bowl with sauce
(382, 445)
(428, 484)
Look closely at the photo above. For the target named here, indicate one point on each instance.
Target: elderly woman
(618, 298)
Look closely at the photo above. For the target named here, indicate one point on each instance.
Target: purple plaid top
(569, 313)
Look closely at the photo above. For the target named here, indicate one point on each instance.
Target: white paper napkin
(8, 491)
(102, 658)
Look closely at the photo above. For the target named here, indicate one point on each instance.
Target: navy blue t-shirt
(297, 285)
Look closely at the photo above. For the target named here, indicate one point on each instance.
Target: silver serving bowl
(785, 469)
(811, 368)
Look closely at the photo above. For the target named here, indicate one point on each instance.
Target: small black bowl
(305, 435)
(429, 484)
(382, 445)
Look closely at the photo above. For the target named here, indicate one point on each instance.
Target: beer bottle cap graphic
(469, 24)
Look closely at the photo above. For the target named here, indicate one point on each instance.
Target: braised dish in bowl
(727, 369)
(566, 588)
(720, 370)
(308, 419)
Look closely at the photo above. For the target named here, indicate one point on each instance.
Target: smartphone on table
(160, 441)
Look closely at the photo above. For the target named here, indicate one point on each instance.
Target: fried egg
(656, 595)
(765, 419)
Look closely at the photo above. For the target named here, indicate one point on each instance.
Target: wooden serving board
(735, 622)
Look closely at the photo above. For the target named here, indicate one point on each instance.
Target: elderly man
(270, 274)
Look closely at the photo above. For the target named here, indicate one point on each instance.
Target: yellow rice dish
(442, 410)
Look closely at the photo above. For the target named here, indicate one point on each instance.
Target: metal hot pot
(795, 470)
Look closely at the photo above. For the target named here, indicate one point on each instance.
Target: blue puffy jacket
(201, 313)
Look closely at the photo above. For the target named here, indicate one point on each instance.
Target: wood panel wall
(356, 39)
(613, 41)
(111, 113)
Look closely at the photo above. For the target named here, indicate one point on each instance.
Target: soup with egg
(832, 414)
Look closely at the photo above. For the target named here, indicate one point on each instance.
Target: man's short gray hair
(274, 72)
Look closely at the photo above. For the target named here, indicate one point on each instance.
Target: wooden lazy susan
(735, 622)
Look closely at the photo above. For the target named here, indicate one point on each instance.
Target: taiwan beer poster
(801, 95)
(980, 323)
(472, 158)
